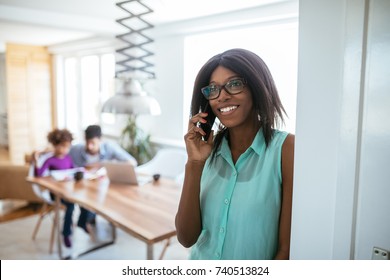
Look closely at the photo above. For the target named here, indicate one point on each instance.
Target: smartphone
(210, 121)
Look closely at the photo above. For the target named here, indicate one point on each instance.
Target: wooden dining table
(146, 212)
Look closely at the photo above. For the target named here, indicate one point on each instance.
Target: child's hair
(58, 136)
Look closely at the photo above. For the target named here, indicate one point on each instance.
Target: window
(276, 44)
(84, 84)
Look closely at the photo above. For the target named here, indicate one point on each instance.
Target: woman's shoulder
(282, 140)
(280, 133)
(279, 136)
(287, 141)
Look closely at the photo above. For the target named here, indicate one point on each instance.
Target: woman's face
(232, 110)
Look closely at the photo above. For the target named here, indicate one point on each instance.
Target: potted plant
(136, 142)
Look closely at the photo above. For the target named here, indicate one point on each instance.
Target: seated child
(61, 140)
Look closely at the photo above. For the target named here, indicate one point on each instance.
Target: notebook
(123, 173)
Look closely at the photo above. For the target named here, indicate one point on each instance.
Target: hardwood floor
(11, 209)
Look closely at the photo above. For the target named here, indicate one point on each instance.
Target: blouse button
(226, 201)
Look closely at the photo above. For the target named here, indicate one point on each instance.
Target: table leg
(113, 233)
(52, 235)
(57, 224)
(167, 243)
(149, 254)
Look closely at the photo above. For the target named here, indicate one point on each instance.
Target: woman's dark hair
(252, 68)
(58, 136)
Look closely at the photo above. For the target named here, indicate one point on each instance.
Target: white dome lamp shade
(131, 99)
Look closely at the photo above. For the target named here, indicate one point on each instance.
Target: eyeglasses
(234, 86)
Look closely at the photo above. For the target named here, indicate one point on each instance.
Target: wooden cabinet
(3, 131)
(29, 99)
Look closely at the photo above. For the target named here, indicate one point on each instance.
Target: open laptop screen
(120, 172)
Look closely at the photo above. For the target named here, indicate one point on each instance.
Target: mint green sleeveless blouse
(241, 203)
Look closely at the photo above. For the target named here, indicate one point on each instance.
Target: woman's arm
(287, 190)
(188, 218)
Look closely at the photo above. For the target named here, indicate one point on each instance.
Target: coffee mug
(156, 177)
(78, 175)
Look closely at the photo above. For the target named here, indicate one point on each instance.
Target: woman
(237, 192)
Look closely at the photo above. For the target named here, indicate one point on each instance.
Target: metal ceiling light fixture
(130, 98)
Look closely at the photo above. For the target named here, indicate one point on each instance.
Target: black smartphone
(210, 121)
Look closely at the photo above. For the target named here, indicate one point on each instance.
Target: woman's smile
(227, 110)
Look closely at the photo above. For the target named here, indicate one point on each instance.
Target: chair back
(168, 162)
(41, 193)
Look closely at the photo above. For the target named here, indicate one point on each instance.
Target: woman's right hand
(197, 149)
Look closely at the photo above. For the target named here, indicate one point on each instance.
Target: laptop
(123, 173)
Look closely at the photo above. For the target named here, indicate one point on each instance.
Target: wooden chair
(48, 203)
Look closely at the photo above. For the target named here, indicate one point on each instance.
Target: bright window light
(87, 82)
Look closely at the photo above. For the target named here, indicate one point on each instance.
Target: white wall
(3, 92)
(341, 191)
(318, 113)
(169, 88)
(373, 207)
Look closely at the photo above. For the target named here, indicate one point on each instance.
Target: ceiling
(48, 22)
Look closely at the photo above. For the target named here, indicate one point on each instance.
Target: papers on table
(68, 174)
(95, 173)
